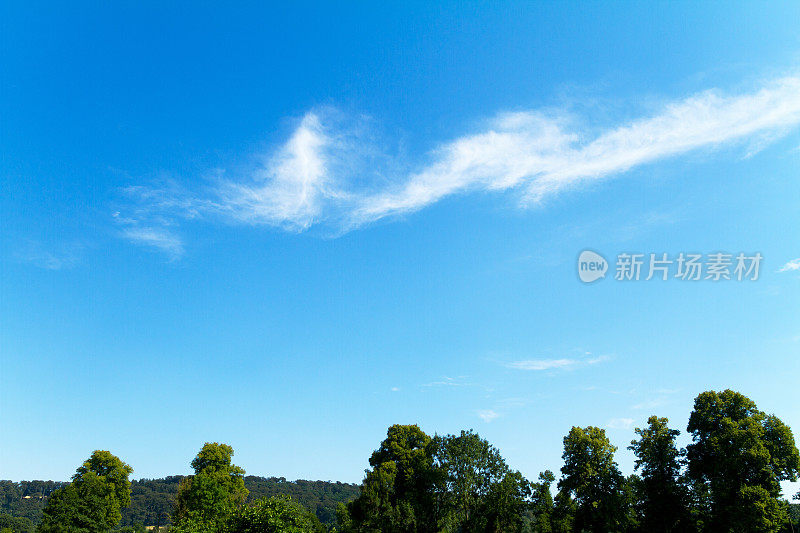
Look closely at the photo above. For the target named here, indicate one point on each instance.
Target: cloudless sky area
(167, 279)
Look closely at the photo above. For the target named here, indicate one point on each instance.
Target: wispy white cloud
(330, 173)
(541, 155)
(158, 238)
(447, 382)
(292, 189)
(61, 257)
(542, 364)
(620, 423)
(487, 415)
(554, 364)
(791, 266)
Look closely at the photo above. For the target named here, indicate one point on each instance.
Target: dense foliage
(279, 514)
(26, 499)
(153, 500)
(592, 479)
(739, 456)
(662, 493)
(727, 480)
(93, 502)
(215, 491)
(320, 497)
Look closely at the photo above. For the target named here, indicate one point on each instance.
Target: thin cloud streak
(157, 238)
(62, 257)
(543, 364)
(554, 364)
(447, 382)
(328, 173)
(487, 415)
(791, 266)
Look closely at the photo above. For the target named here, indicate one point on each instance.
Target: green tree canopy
(662, 495)
(94, 499)
(477, 489)
(279, 514)
(215, 490)
(740, 455)
(397, 494)
(540, 515)
(14, 524)
(450, 483)
(592, 477)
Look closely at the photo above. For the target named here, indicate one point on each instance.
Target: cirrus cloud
(487, 415)
(554, 364)
(791, 266)
(330, 173)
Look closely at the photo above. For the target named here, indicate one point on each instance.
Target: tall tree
(451, 483)
(397, 494)
(741, 455)
(93, 502)
(478, 489)
(662, 494)
(214, 492)
(591, 475)
(540, 511)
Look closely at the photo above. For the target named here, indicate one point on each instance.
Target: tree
(13, 524)
(94, 499)
(478, 490)
(564, 509)
(506, 504)
(593, 478)
(741, 455)
(539, 512)
(450, 483)
(192, 524)
(396, 495)
(541, 508)
(212, 494)
(661, 493)
(279, 514)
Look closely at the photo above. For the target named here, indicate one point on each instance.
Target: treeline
(727, 480)
(321, 497)
(25, 500)
(153, 500)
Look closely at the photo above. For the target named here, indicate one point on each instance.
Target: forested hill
(152, 500)
(321, 497)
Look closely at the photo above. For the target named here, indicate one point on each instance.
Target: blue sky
(288, 227)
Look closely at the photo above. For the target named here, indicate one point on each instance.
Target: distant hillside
(152, 499)
(26, 499)
(321, 497)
